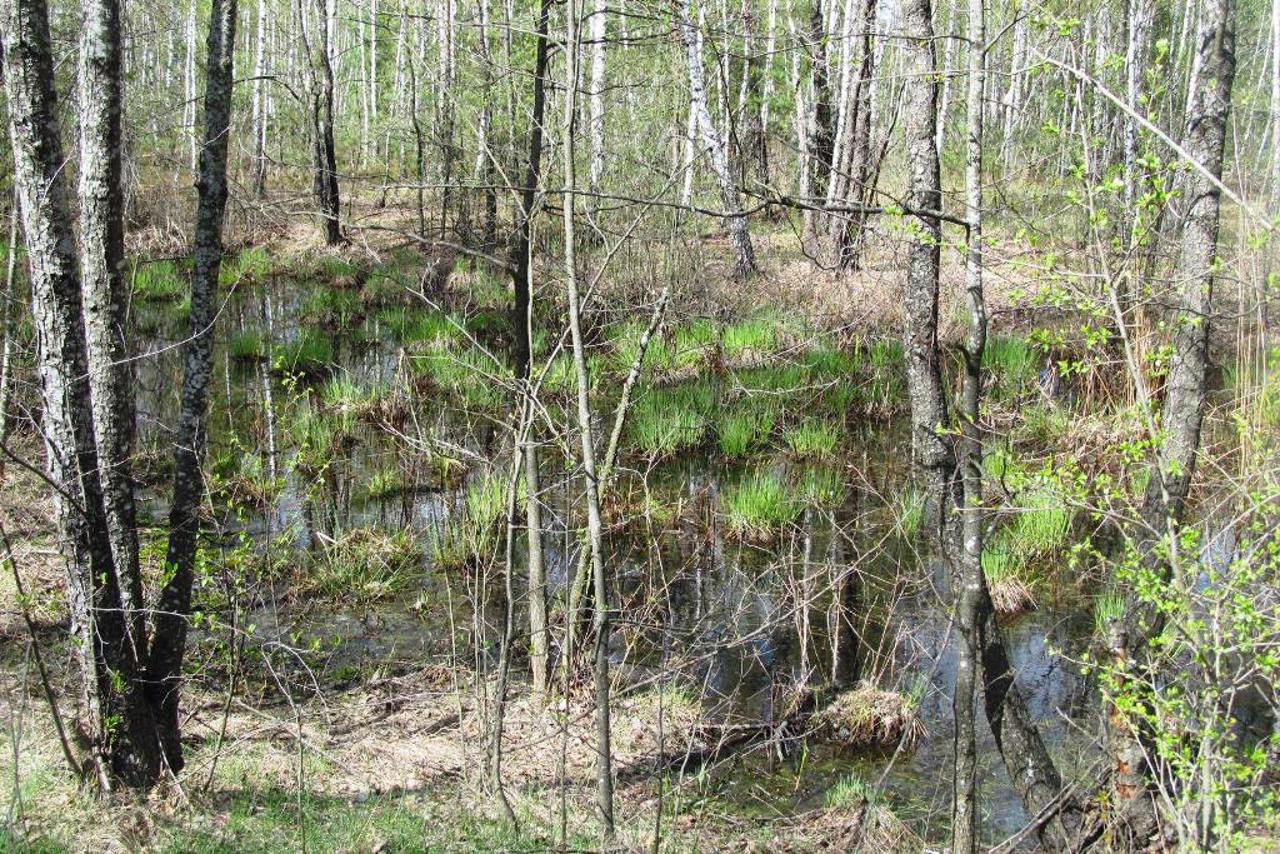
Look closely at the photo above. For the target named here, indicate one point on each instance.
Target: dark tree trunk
(528, 194)
(116, 715)
(174, 607)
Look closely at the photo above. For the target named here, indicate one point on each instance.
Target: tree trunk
(105, 296)
(164, 675)
(597, 36)
(259, 177)
(744, 254)
(600, 623)
(972, 590)
(117, 718)
(932, 449)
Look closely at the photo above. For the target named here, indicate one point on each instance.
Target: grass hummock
(868, 716)
(812, 439)
(759, 506)
(159, 281)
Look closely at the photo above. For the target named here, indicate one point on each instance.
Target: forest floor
(390, 759)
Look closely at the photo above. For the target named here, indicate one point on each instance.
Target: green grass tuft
(472, 533)
(671, 419)
(822, 486)
(849, 791)
(160, 281)
(759, 506)
(751, 339)
(251, 264)
(365, 565)
(311, 353)
(745, 426)
(813, 439)
(247, 345)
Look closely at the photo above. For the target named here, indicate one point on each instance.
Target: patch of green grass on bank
(693, 344)
(423, 328)
(849, 791)
(624, 343)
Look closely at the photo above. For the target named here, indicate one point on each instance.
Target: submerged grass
(333, 308)
(745, 426)
(366, 564)
(472, 532)
(310, 354)
(821, 486)
(251, 264)
(247, 345)
(868, 716)
(471, 376)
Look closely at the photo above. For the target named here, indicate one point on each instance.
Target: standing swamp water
(360, 443)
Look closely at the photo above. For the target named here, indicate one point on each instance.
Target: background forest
(561, 424)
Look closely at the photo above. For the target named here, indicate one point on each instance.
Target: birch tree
(115, 715)
(744, 253)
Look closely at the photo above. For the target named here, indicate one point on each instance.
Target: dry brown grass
(868, 716)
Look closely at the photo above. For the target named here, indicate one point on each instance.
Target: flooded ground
(327, 426)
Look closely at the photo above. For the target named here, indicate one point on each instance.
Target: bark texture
(932, 449)
(114, 713)
(174, 607)
(105, 296)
